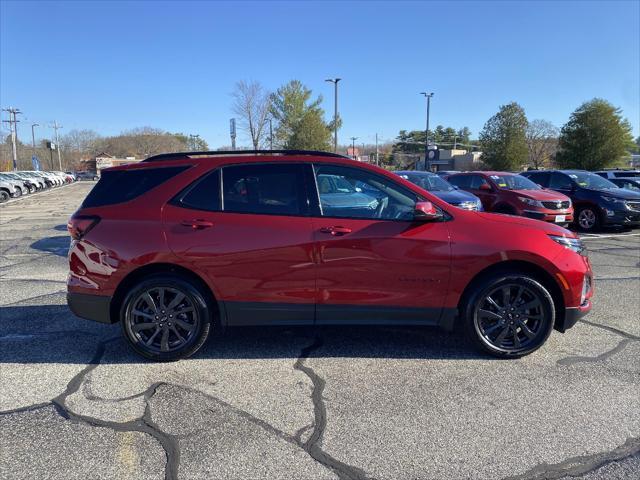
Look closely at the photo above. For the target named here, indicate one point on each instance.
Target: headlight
(613, 200)
(530, 201)
(469, 205)
(574, 244)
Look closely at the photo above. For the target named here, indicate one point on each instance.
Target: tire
(32, 189)
(514, 331)
(4, 196)
(588, 219)
(18, 193)
(168, 334)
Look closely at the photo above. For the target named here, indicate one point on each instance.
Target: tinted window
(476, 181)
(428, 181)
(354, 193)
(462, 181)
(541, 178)
(205, 194)
(514, 182)
(560, 181)
(591, 180)
(123, 185)
(264, 189)
(626, 174)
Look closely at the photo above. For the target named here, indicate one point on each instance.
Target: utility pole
(377, 153)
(13, 127)
(335, 112)
(270, 134)
(33, 137)
(232, 131)
(353, 147)
(57, 127)
(427, 166)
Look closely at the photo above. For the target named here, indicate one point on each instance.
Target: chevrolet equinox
(181, 244)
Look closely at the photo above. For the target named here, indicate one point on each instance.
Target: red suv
(513, 194)
(181, 244)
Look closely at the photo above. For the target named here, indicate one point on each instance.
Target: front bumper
(90, 307)
(551, 216)
(572, 315)
(621, 217)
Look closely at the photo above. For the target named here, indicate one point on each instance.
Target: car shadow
(61, 228)
(58, 245)
(52, 334)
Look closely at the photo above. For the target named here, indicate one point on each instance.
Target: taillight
(80, 225)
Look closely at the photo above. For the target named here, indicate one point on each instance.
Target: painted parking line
(587, 236)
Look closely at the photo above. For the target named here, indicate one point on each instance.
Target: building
(442, 159)
(104, 160)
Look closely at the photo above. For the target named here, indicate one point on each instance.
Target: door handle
(197, 224)
(336, 231)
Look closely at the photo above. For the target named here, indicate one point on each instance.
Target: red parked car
(181, 244)
(513, 194)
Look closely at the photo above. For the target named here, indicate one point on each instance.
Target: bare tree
(251, 103)
(542, 142)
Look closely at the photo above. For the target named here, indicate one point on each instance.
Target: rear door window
(269, 189)
(541, 178)
(559, 181)
(477, 180)
(118, 186)
(204, 194)
(462, 181)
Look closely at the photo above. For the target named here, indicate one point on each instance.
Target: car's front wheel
(588, 219)
(166, 317)
(509, 315)
(4, 196)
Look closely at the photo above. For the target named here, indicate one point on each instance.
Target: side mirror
(485, 187)
(426, 212)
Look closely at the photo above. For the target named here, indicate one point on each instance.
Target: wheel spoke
(530, 305)
(493, 303)
(152, 337)
(492, 329)
(516, 340)
(506, 296)
(164, 341)
(182, 324)
(147, 298)
(180, 337)
(499, 339)
(489, 314)
(518, 295)
(143, 314)
(176, 301)
(184, 310)
(144, 326)
(161, 298)
(526, 330)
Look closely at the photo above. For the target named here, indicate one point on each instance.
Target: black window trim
(177, 200)
(318, 207)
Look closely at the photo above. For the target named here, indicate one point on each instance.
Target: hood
(621, 193)
(542, 195)
(548, 227)
(454, 197)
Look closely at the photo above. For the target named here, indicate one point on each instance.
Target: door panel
(377, 267)
(261, 265)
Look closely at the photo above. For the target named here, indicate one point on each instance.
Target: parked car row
(16, 184)
(589, 200)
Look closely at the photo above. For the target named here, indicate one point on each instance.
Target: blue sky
(111, 66)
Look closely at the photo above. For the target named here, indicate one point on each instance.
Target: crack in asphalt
(617, 331)
(143, 424)
(313, 445)
(581, 464)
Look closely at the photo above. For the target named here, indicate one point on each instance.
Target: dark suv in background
(597, 201)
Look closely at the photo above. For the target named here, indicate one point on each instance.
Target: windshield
(514, 182)
(592, 181)
(432, 183)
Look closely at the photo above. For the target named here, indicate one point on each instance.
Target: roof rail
(173, 156)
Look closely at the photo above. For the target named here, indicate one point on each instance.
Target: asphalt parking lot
(348, 403)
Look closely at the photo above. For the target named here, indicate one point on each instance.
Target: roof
(239, 153)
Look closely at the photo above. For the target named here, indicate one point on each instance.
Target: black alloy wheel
(511, 316)
(588, 219)
(166, 318)
(4, 196)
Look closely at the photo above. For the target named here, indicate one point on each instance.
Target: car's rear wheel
(18, 192)
(509, 315)
(32, 189)
(4, 196)
(588, 219)
(166, 317)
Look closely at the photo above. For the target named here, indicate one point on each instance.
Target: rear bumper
(90, 307)
(572, 315)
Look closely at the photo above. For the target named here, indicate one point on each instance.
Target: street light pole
(426, 139)
(33, 137)
(353, 146)
(335, 112)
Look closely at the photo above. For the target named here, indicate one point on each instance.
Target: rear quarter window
(120, 186)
